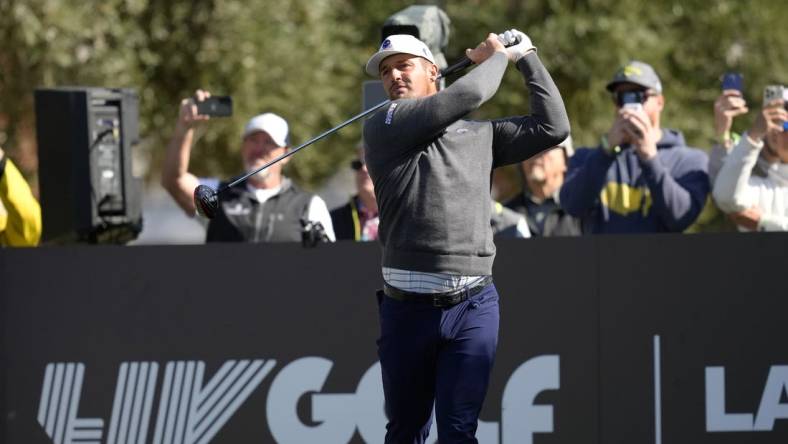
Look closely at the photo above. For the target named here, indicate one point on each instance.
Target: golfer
(432, 174)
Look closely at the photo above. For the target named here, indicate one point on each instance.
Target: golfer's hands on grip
(188, 117)
(485, 49)
(520, 44)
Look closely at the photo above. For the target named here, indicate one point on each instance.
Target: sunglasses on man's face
(356, 164)
(621, 98)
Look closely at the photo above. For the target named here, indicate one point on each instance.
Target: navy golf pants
(440, 356)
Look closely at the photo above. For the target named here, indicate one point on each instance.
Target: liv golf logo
(190, 412)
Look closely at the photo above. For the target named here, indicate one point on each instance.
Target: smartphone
(785, 106)
(773, 92)
(632, 100)
(215, 106)
(633, 106)
(733, 80)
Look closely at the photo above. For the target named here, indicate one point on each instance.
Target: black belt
(439, 300)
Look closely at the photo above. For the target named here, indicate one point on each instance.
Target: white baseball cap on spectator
(398, 44)
(275, 126)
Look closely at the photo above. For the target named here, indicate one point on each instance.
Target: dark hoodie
(623, 194)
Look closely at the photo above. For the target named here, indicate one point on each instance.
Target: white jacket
(736, 189)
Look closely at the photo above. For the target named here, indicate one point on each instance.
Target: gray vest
(242, 218)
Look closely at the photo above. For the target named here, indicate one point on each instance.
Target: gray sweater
(432, 169)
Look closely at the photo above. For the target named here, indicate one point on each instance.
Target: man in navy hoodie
(642, 178)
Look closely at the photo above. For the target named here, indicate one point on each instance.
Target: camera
(216, 106)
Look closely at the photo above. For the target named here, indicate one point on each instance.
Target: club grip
(459, 66)
(464, 63)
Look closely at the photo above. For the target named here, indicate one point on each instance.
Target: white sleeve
(773, 222)
(318, 212)
(733, 190)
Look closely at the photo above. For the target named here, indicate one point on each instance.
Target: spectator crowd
(640, 177)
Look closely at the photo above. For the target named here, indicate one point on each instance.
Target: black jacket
(556, 221)
(346, 221)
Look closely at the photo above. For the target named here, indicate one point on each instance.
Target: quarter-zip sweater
(432, 168)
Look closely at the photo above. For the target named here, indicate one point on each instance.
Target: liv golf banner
(653, 339)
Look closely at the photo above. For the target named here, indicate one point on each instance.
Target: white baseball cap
(398, 44)
(275, 126)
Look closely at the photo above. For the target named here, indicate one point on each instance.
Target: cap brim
(612, 85)
(260, 130)
(373, 65)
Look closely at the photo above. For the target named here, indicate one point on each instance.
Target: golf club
(206, 199)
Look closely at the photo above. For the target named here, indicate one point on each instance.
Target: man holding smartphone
(642, 178)
(267, 207)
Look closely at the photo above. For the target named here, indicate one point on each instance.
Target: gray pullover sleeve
(408, 124)
(518, 138)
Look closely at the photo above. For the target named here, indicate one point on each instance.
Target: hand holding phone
(773, 115)
(215, 106)
(643, 137)
(632, 100)
(776, 92)
(729, 105)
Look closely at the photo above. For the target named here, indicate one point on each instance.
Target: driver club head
(206, 201)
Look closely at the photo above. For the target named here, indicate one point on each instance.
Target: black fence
(629, 339)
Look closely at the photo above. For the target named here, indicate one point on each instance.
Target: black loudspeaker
(85, 141)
